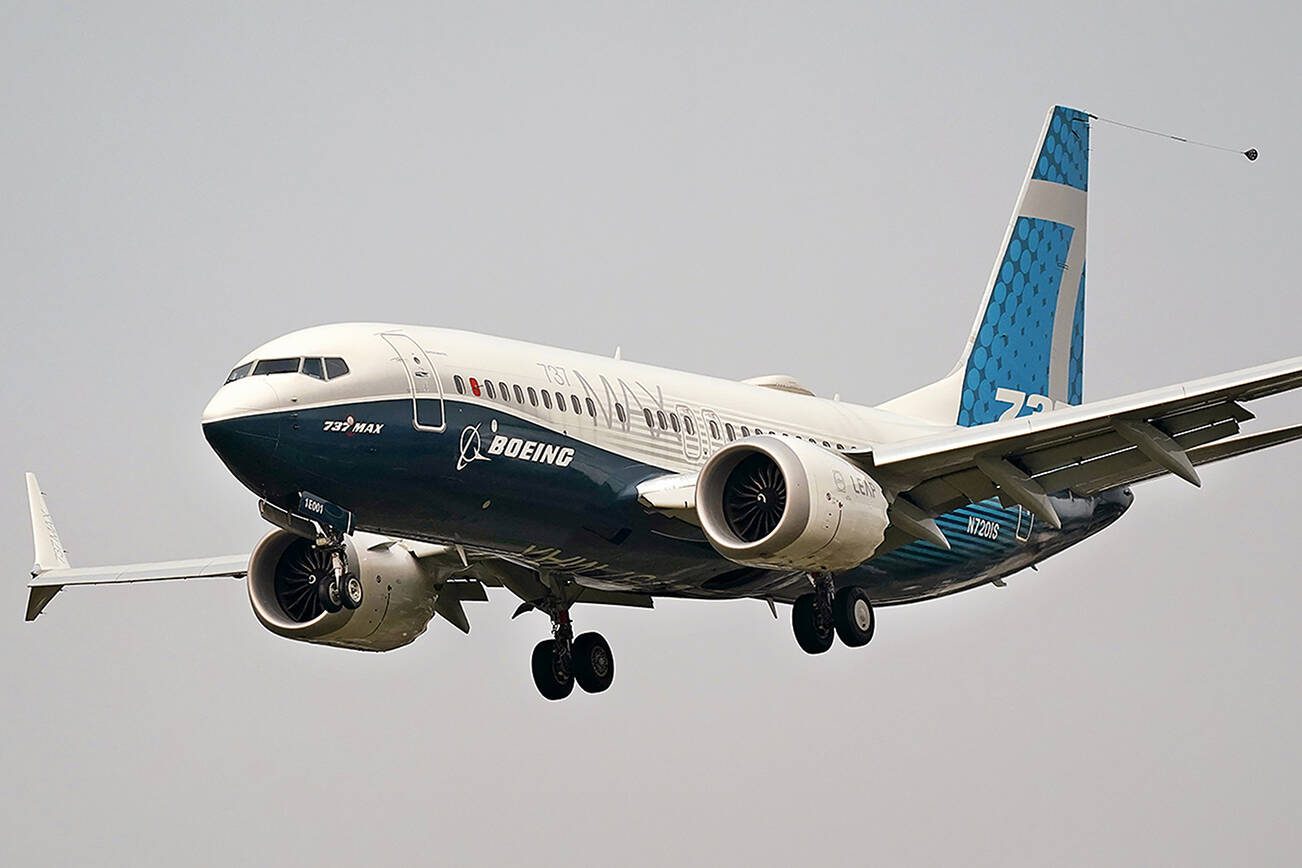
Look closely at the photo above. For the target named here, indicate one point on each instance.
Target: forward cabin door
(423, 378)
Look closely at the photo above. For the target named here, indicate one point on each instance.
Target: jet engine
(783, 503)
(397, 602)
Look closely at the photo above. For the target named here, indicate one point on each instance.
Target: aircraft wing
(46, 583)
(1084, 449)
(52, 572)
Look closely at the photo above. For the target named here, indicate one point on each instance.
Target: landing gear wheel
(854, 617)
(327, 593)
(551, 671)
(352, 593)
(594, 665)
(814, 630)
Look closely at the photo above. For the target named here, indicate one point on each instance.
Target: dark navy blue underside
(578, 513)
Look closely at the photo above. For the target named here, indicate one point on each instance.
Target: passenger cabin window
(688, 423)
(660, 417)
(650, 423)
(714, 429)
(460, 384)
(533, 396)
(619, 413)
(560, 402)
(313, 368)
(745, 432)
(732, 432)
(506, 393)
(574, 402)
(519, 396)
(592, 408)
(673, 422)
(488, 389)
(276, 366)
(547, 399)
(335, 368)
(240, 373)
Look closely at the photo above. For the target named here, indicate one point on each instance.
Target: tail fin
(1027, 348)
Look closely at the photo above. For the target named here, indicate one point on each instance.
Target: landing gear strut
(562, 660)
(341, 589)
(819, 616)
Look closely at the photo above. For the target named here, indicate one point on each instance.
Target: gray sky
(816, 189)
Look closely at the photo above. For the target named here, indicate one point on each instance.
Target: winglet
(50, 554)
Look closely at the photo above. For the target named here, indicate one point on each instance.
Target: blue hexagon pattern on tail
(1026, 351)
(1019, 338)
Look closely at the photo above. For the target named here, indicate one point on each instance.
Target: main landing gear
(826, 612)
(338, 588)
(564, 659)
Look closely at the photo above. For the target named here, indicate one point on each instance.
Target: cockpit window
(276, 366)
(318, 368)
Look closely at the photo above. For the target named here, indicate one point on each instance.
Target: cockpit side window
(335, 368)
(240, 373)
(312, 367)
(276, 366)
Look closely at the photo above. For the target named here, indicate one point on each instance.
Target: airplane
(407, 469)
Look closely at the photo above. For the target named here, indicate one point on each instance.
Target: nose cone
(240, 398)
(242, 425)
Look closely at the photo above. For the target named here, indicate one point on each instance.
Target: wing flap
(1086, 449)
(954, 449)
(1086, 477)
(1231, 448)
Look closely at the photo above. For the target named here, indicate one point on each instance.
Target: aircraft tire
(853, 613)
(352, 593)
(553, 677)
(594, 665)
(813, 635)
(327, 593)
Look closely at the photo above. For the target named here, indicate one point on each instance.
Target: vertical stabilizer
(1026, 350)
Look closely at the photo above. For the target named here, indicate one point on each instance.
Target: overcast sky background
(815, 189)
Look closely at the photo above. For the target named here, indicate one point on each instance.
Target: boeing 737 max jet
(406, 469)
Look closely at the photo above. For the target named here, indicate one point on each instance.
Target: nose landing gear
(819, 616)
(339, 589)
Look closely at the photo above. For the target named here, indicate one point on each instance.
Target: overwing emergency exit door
(423, 378)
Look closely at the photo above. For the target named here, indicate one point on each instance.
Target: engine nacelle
(783, 503)
(397, 602)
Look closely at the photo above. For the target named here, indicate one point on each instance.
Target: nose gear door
(423, 378)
